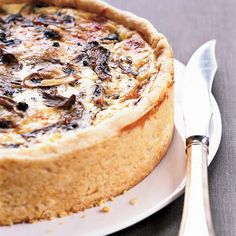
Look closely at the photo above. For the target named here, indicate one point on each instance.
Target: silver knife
(197, 109)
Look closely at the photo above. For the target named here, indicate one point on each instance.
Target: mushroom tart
(86, 105)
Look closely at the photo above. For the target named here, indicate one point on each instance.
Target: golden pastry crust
(98, 162)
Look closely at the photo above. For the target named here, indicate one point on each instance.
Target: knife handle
(196, 219)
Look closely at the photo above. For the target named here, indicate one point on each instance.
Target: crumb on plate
(105, 209)
(133, 201)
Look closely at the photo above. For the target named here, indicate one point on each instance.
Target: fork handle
(196, 219)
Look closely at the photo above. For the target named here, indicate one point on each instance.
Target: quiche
(86, 105)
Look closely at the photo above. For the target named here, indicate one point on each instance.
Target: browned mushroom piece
(36, 80)
(58, 101)
(9, 59)
(7, 102)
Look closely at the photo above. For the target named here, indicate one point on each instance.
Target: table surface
(187, 24)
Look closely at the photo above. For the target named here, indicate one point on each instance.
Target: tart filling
(64, 69)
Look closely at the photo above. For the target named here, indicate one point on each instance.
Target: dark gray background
(188, 24)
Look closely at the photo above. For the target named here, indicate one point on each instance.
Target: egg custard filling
(63, 69)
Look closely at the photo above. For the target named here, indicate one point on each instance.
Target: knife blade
(197, 111)
(198, 79)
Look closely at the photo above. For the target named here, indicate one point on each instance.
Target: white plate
(159, 189)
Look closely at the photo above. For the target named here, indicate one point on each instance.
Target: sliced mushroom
(36, 80)
(8, 85)
(99, 95)
(58, 101)
(127, 70)
(45, 20)
(96, 57)
(43, 130)
(112, 37)
(7, 102)
(33, 80)
(52, 34)
(9, 59)
(59, 81)
(10, 105)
